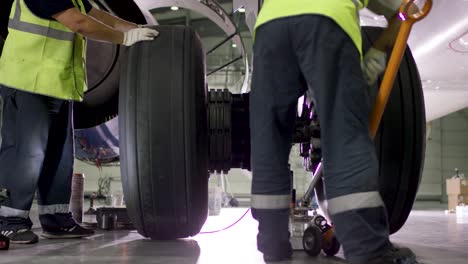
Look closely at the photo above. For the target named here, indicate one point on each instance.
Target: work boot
(62, 226)
(18, 230)
(278, 257)
(395, 255)
(273, 238)
(273, 248)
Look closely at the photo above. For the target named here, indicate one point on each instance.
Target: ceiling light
(241, 10)
(174, 8)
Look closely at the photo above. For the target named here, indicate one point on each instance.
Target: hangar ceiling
(439, 44)
(232, 76)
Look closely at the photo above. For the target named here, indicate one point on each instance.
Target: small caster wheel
(320, 221)
(312, 241)
(331, 246)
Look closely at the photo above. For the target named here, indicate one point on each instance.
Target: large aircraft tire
(1, 44)
(163, 135)
(401, 140)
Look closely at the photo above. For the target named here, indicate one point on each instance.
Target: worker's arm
(89, 27)
(375, 60)
(112, 21)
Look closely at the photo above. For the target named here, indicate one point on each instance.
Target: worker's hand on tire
(139, 34)
(373, 65)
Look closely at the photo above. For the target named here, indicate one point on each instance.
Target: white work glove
(139, 34)
(373, 65)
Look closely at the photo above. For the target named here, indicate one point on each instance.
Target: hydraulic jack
(311, 231)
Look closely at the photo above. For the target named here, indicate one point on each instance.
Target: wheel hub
(229, 135)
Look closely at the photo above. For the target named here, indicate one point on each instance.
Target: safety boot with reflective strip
(18, 230)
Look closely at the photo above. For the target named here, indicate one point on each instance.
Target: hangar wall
(447, 149)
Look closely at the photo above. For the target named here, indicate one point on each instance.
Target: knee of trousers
(355, 175)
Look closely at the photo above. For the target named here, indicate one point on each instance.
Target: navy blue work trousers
(36, 152)
(315, 49)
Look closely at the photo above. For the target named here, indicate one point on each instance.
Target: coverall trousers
(315, 49)
(36, 152)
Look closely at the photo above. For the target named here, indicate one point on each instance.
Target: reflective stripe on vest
(355, 201)
(270, 201)
(43, 56)
(344, 12)
(15, 23)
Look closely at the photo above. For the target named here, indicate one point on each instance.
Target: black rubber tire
(401, 139)
(5, 9)
(164, 135)
(1, 44)
(103, 61)
(312, 241)
(101, 101)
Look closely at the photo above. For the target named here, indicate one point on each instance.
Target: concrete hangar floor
(436, 237)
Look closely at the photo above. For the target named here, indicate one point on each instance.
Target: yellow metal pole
(395, 60)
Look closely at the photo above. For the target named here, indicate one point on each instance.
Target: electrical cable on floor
(226, 228)
(201, 233)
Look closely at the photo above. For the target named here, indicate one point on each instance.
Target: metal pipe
(225, 65)
(315, 179)
(221, 43)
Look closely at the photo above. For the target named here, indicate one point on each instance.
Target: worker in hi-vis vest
(319, 41)
(41, 73)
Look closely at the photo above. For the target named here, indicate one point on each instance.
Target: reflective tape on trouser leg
(271, 201)
(12, 212)
(361, 224)
(355, 201)
(53, 209)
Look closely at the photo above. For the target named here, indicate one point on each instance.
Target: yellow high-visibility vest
(43, 56)
(344, 12)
